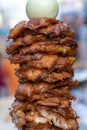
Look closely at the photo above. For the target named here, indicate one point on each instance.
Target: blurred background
(73, 12)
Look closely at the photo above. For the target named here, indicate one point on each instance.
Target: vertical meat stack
(45, 52)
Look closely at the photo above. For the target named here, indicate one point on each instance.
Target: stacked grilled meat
(45, 52)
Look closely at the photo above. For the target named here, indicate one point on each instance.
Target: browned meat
(50, 49)
(34, 23)
(57, 30)
(50, 62)
(27, 40)
(18, 59)
(52, 101)
(17, 30)
(39, 39)
(30, 39)
(45, 51)
(33, 126)
(18, 118)
(13, 46)
(42, 39)
(24, 106)
(56, 68)
(55, 118)
(47, 99)
(29, 88)
(44, 115)
(49, 27)
(24, 91)
(67, 113)
(43, 75)
(27, 106)
(42, 61)
(53, 30)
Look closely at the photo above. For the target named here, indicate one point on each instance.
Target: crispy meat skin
(50, 49)
(56, 30)
(44, 115)
(34, 23)
(27, 106)
(44, 48)
(41, 39)
(17, 30)
(43, 75)
(45, 127)
(49, 27)
(45, 51)
(13, 46)
(56, 119)
(49, 64)
(25, 91)
(42, 61)
(33, 126)
(23, 81)
(51, 101)
(52, 30)
(57, 68)
(48, 100)
(30, 88)
(18, 59)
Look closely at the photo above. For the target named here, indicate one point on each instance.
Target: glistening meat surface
(45, 116)
(42, 60)
(43, 75)
(53, 28)
(41, 39)
(49, 49)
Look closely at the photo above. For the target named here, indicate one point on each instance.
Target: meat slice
(19, 59)
(41, 39)
(27, 40)
(25, 91)
(43, 75)
(49, 27)
(17, 30)
(27, 106)
(59, 29)
(42, 61)
(56, 118)
(30, 39)
(52, 101)
(49, 49)
(13, 46)
(33, 126)
(50, 62)
(34, 23)
(53, 30)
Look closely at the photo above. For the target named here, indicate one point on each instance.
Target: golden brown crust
(49, 27)
(41, 39)
(17, 30)
(43, 75)
(45, 52)
(49, 49)
(43, 115)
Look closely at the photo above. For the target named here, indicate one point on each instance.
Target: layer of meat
(56, 117)
(36, 75)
